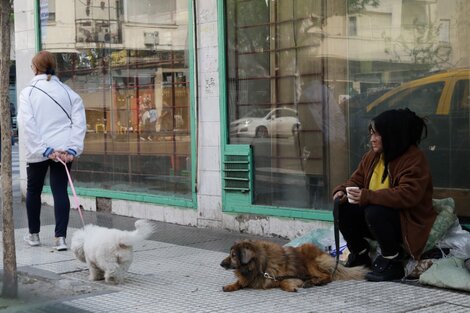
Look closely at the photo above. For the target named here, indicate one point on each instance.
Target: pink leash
(79, 206)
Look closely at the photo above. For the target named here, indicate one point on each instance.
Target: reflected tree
(355, 6)
(423, 48)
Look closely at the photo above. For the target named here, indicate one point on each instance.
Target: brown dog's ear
(246, 255)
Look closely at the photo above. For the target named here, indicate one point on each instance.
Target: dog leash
(336, 231)
(75, 198)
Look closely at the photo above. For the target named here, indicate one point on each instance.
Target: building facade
(244, 114)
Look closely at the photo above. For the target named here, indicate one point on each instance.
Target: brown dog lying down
(264, 264)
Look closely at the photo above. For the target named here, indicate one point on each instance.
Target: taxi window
(423, 100)
(461, 97)
(459, 136)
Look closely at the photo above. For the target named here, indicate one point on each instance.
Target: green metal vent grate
(237, 170)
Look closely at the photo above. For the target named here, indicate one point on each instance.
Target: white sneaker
(32, 239)
(60, 244)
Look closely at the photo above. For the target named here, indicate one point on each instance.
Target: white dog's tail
(143, 230)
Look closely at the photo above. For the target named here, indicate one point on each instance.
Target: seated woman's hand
(338, 195)
(354, 195)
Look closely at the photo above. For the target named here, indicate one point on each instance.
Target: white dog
(108, 252)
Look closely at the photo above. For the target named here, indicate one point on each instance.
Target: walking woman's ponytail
(45, 63)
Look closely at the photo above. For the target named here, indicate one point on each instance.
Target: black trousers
(58, 178)
(375, 222)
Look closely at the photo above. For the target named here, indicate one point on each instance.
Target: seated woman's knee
(377, 214)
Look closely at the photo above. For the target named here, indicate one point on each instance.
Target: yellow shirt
(376, 179)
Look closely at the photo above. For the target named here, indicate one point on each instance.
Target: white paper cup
(347, 193)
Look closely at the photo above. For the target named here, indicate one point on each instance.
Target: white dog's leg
(95, 272)
(119, 275)
(115, 274)
(110, 273)
(110, 277)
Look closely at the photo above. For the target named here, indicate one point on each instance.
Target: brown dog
(264, 264)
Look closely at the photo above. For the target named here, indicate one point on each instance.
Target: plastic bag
(444, 220)
(457, 240)
(324, 238)
(447, 273)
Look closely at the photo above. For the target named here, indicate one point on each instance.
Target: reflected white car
(261, 123)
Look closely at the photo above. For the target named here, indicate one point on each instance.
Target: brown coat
(410, 191)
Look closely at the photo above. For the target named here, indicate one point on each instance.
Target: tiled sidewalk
(167, 277)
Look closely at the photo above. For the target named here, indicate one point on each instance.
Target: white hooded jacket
(45, 124)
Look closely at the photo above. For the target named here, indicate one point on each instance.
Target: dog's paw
(291, 285)
(308, 284)
(290, 289)
(95, 277)
(112, 280)
(314, 282)
(229, 288)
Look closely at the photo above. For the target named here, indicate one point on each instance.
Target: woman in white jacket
(52, 122)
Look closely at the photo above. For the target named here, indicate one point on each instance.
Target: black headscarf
(399, 130)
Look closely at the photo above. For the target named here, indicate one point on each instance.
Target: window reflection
(337, 64)
(274, 70)
(128, 61)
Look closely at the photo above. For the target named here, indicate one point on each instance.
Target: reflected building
(126, 58)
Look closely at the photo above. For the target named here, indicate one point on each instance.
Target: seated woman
(394, 199)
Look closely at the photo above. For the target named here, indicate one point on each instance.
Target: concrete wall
(25, 48)
(209, 183)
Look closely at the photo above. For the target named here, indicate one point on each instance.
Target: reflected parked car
(444, 100)
(261, 123)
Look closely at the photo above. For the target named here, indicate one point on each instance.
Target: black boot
(386, 269)
(355, 259)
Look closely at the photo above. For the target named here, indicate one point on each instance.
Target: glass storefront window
(128, 60)
(334, 65)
